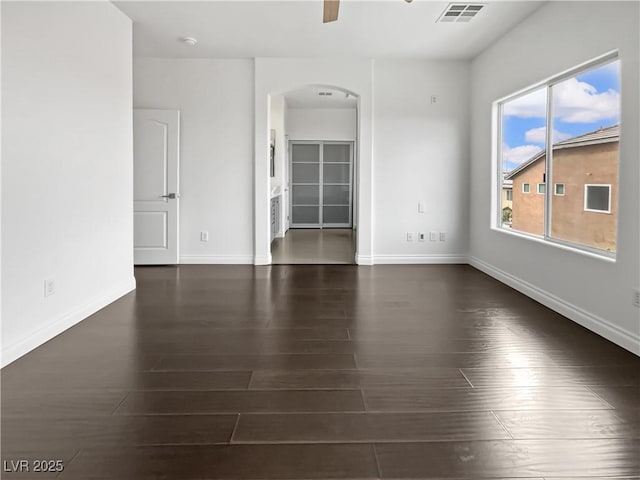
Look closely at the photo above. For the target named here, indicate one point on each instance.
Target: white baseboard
(364, 259)
(418, 259)
(63, 322)
(216, 259)
(261, 260)
(599, 325)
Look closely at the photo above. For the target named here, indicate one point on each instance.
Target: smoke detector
(460, 12)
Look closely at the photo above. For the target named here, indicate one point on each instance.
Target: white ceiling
(294, 28)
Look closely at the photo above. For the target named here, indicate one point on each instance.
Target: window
(509, 195)
(564, 132)
(597, 198)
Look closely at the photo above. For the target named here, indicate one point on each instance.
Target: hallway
(315, 246)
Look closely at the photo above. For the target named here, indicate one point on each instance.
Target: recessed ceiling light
(189, 41)
(460, 12)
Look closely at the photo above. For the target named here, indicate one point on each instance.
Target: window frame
(555, 189)
(541, 184)
(586, 188)
(509, 195)
(528, 190)
(497, 136)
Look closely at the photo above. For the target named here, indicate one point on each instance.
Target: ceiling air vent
(460, 12)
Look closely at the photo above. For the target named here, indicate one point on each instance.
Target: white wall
(338, 124)
(420, 155)
(66, 166)
(215, 99)
(594, 292)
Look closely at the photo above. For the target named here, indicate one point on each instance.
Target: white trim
(364, 259)
(585, 197)
(216, 259)
(260, 259)
(528, 185)
(600, 61)
(419, 259)
(538, 188)
(557, 243)
(555, 189)
(624, 338)
(59, 324)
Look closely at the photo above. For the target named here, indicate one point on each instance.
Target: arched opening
(313, 180)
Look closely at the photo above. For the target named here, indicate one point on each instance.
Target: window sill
(609, 258)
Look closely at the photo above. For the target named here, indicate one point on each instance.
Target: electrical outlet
(409, 237)
(636, 298)
(204, 236)
(421, 237)
(442, 236)
(420, 207)
(434, 99)
(49, 287)
(432, 236)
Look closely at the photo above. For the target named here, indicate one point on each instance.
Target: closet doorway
(321, 193)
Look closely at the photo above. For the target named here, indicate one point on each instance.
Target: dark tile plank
(190, 402)
(217, 380)
(434, 378)
(476, 399)
(37, 433)
(367, 427)
(254, 362)
(77, 380)
(624, 398)
(509, 458)
(260, 462)
(77, 359)
(449, 360)
(570, 424)
(553, 376)
(60, 403)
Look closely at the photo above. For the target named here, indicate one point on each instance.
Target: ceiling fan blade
(330, 13)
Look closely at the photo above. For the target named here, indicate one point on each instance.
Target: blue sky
(581, 104)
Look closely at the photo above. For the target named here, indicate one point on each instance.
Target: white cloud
(538, 135)
(518, 155)
(573, 102)
(533, 105)
(580, 102)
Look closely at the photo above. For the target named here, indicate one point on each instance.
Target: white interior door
(155, 186)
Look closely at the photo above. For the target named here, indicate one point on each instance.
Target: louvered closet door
(305, 185)
(321, 184)
(336, 185)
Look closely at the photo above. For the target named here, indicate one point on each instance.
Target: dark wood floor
(323, 372)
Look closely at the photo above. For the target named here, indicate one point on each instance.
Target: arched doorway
(313, 181)
(275, 76)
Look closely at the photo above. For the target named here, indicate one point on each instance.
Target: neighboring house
(585, 190)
